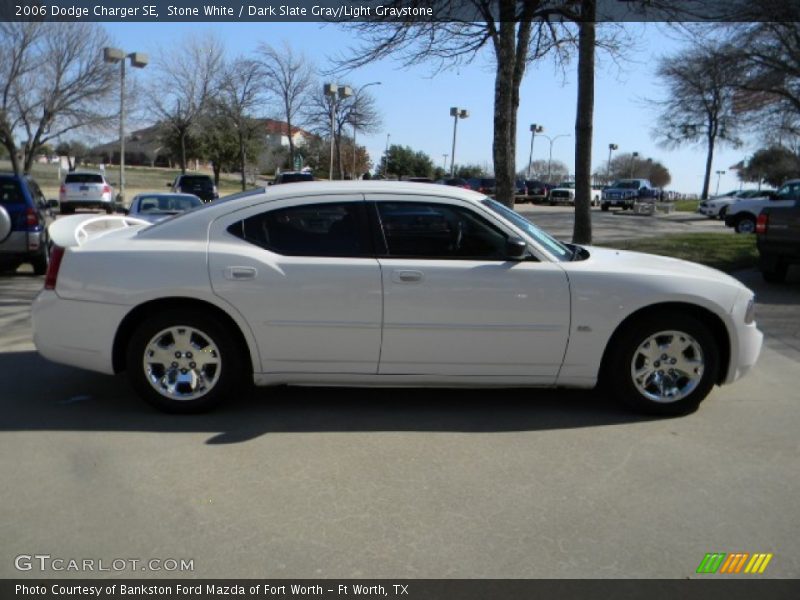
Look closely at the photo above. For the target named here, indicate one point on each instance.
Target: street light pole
(634, 156)
(456, 113)
(334, 90)
(550, 158)
(444, 160)
(719, 176)
(138, 60)
(611, 148)
(355, 106)
(534, 130)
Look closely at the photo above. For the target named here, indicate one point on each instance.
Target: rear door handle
(407, 276)
(240, 273)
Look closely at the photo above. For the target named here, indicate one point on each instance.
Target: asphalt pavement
(322, 482)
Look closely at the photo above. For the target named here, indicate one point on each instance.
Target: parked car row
(717, 207)
(743, 215)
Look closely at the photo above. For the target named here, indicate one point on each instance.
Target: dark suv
(201, 186)
(24, 216)
(292, 177)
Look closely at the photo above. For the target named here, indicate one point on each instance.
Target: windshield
(552, 245)
(83, 178)
(167, 204)
(626, 185)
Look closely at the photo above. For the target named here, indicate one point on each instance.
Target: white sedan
(387, 284)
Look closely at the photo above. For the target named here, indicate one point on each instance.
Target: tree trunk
(709, 161)
(12, 156)
(216, 167)
(503, 146)
(183, 152)
(582, 229)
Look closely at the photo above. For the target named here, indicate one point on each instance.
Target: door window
(330, 229)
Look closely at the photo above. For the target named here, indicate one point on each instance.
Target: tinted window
(83, 178)
(202, 180)
(310, 230)
(168, 204)
(10, 192)
(294, 177)
(439, 231)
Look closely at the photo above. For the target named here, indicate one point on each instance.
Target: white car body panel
(334, 321)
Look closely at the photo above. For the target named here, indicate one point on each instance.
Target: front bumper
(746, 341)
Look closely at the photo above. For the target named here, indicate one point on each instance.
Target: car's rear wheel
(109, 209)
(66, 210)
(604, 207)
(663, 364)
(184, 361)
(745, 224)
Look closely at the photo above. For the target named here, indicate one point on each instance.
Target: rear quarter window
(10, 192)
(83, 178)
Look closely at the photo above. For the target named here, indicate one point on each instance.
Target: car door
(304, 276)
(455, 305)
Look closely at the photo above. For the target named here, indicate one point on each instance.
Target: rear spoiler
(76, 230)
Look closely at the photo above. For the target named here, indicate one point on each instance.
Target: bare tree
(517, 32)
(53, 80)
(239, 95)
(186, 77)
(700, 84)
(289, 79)
(359, 109)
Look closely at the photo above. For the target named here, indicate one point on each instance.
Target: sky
(415, 102)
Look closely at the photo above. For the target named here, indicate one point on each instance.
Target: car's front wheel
(184, 361)
(663, 364)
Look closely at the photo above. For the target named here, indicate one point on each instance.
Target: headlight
(750, 312)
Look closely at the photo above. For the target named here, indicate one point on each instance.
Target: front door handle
(240, 273)
(406, 276)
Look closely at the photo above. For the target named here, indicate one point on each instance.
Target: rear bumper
(20, 245)
(76, 333)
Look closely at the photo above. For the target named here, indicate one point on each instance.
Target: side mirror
(516, 248)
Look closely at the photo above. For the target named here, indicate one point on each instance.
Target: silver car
(85, 190)
(156, 206)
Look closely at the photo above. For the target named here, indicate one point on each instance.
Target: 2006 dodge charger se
(382, 283)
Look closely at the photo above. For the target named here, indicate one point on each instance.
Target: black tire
(604, 207)
(775, 273)
(66, 210)
(42, 260)
(722, 212)
(231, 375)
(745, 224)
(619, 378)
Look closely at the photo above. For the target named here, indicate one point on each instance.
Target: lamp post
(138, 60)
(355, 119)
(444, 161)
(386, 157)
(534, 130)
(335, 91)
(550, 158)
(456, 113)
(634, 156)
(719, 176)
(611, 148)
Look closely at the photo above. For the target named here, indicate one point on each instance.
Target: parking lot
(321, 482)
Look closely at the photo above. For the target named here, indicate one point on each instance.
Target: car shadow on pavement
(41, 396)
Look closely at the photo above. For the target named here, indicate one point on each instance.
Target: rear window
(295, 177)
(196, 180)
(10, 192)
(83, 178)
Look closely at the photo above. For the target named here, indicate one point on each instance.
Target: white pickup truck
(564, 193)
(742, 215)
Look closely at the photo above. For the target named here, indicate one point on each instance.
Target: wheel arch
(708, 317)
(141, 312)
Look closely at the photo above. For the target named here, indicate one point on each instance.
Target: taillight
(761, 223)
(31, 218)
(62, 190)
(106, 189)
(56, 254)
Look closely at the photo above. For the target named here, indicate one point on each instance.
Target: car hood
(652, 264)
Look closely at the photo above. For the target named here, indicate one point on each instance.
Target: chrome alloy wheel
(667, 366)
(182, 363)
